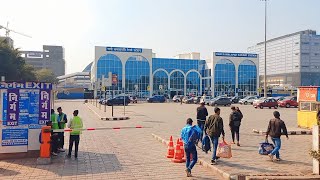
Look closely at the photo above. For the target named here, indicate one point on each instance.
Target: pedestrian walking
(62, 120)
(202, 114)
(190, 136)
(214, 128)
(181, 98)
(275, 129)
(74, 124)
(234, 124)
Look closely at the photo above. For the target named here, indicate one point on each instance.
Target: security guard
(75, 123)
(62, 120)
(54, 120)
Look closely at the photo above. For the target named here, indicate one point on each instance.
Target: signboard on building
(24, 109)
(227, 54)
(308, 94)
(124, 49)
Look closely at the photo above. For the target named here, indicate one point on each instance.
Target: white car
(176, 98)
(248, 100)
(206, 99)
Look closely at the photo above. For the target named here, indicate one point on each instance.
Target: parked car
(288, 102)
(118, 100)
(280, 98)
(225, 101)
(133, 99)
(188, 100)
(206, 99)
(235, 99)
(156, 98)
(268, 102)
(177, 98)
(248, 100)
(196, 100)
(258, 100)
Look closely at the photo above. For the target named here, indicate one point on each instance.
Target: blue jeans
(191, 151)
(277, 144)
(215, 143)
(201, 126)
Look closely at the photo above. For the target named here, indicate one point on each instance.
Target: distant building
(52, 57)
(292, 60)
(193, 55)
(6, 40)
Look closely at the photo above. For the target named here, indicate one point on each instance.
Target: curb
(203, 163)
(115, 118)
(309, 132)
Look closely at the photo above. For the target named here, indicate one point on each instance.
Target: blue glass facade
(184, 75)
(110, 63)
(137, 76)
(224, 78)
(247, 77)
(146, 76)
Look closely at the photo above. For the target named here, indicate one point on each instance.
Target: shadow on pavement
(7, 172)
(87, 163)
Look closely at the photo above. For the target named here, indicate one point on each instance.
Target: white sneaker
(270, 156)
(61, 150)
(54, 154)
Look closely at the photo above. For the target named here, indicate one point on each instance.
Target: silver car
(248, 100)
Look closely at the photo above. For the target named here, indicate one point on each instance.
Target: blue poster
(34, 109)
(24, 107)
(14, 137)
(4, 109)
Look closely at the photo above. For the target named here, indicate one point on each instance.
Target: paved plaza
(110, 154)
(135, 154)
(168, 119)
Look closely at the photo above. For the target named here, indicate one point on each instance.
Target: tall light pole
(265, 48)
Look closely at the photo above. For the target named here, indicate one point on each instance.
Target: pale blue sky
(168, 27)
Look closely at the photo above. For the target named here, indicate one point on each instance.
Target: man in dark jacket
(214, 128)
(275, 129)
(202, 114)
(234, 124)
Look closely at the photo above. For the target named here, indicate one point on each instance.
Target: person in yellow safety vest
(62, 120)
(74, 124)
(54, 120)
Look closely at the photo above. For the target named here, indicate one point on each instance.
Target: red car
(289, 102)
(270, 102)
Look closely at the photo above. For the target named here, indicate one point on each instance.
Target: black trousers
(61, 140)
(54, 143)
(235, 132)
(76, 139)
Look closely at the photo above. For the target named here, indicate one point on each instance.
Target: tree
(46, 75)
(13, 66)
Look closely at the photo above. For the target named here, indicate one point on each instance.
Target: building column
(185, 85)
(150, 81)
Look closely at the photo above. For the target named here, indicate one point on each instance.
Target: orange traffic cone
(182, 150)
(178, 154)
(170, 153)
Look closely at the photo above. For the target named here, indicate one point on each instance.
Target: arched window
(224, 78)
(160, 82)
(247, 78)
(177, 81)
(193, 83)
(110, 63)
(137, 76)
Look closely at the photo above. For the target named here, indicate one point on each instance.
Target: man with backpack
(234, 124)
(275, 129)
(190, 136)
(214, 128)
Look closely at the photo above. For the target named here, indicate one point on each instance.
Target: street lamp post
(265, 48)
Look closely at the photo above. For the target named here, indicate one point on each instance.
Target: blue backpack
(206, 145)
